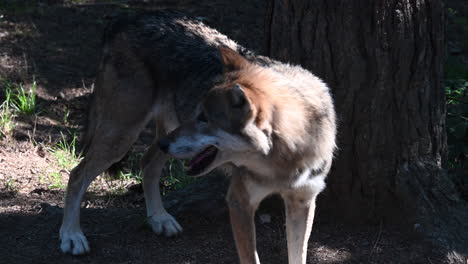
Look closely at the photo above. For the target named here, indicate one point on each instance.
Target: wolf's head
(232, 123)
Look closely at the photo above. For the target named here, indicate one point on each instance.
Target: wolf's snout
(164, 144)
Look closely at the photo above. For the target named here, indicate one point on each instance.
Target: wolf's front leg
(158, 218)
(243, 198)
(300, 209)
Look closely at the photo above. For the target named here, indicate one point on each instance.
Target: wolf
(217, 105)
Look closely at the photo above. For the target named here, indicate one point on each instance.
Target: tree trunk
(383, 61)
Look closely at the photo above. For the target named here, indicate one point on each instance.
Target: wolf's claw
(164, 223)
(74, 242)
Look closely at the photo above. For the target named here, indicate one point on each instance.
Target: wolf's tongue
(205, 153)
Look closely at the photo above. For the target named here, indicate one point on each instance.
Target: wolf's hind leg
(122, 107)
(104, 150)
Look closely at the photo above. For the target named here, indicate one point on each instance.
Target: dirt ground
(57, 44)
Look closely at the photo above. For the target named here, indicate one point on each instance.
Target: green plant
(176, 177)
(6, 115)
(66, 158)
(128, 168)
(65, 153)
(6, 120)
(8, 94)
(457, 119)
(124, 179)
(55, 181)
(457, 132)
(11, 186)
(66, 116)
(22, 100)
(130, 175)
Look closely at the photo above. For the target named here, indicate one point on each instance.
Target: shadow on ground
(120, 235)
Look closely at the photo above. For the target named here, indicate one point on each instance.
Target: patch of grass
(176, 177)
(18, 101)
(173, 177)
(54, 180)
(128, 168)
(23, 100)
(126, 176)
(457, 121)
(6, 115)
(119, 185)
(123, 174)
(11, 186)
(7, 123)
(65, 153)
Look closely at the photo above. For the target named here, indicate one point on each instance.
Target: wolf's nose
(164, 144)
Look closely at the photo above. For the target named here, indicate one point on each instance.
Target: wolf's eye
(201, 117)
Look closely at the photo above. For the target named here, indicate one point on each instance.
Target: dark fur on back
(172, 46)
(179, 51)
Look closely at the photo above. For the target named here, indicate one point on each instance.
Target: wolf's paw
(164, 223)
(73, 242)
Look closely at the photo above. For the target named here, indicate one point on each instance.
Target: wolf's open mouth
(201, 161)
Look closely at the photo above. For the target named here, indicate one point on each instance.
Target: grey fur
(181, 53)
(161, 66)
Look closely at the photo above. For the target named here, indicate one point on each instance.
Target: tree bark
(383, 61)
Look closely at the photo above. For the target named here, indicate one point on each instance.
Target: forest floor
(53, 46)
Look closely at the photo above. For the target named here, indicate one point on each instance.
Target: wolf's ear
(240, 108)
(238, 98)
(232, 61)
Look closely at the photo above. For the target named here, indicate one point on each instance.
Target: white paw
(164, 223)
(73, 242)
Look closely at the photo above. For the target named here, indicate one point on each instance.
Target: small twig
(34, 130)
(459, 116)
(376, 241)
(103, 234)
(83, 83)
(26, 65)
(118, 3)
(456, 99)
